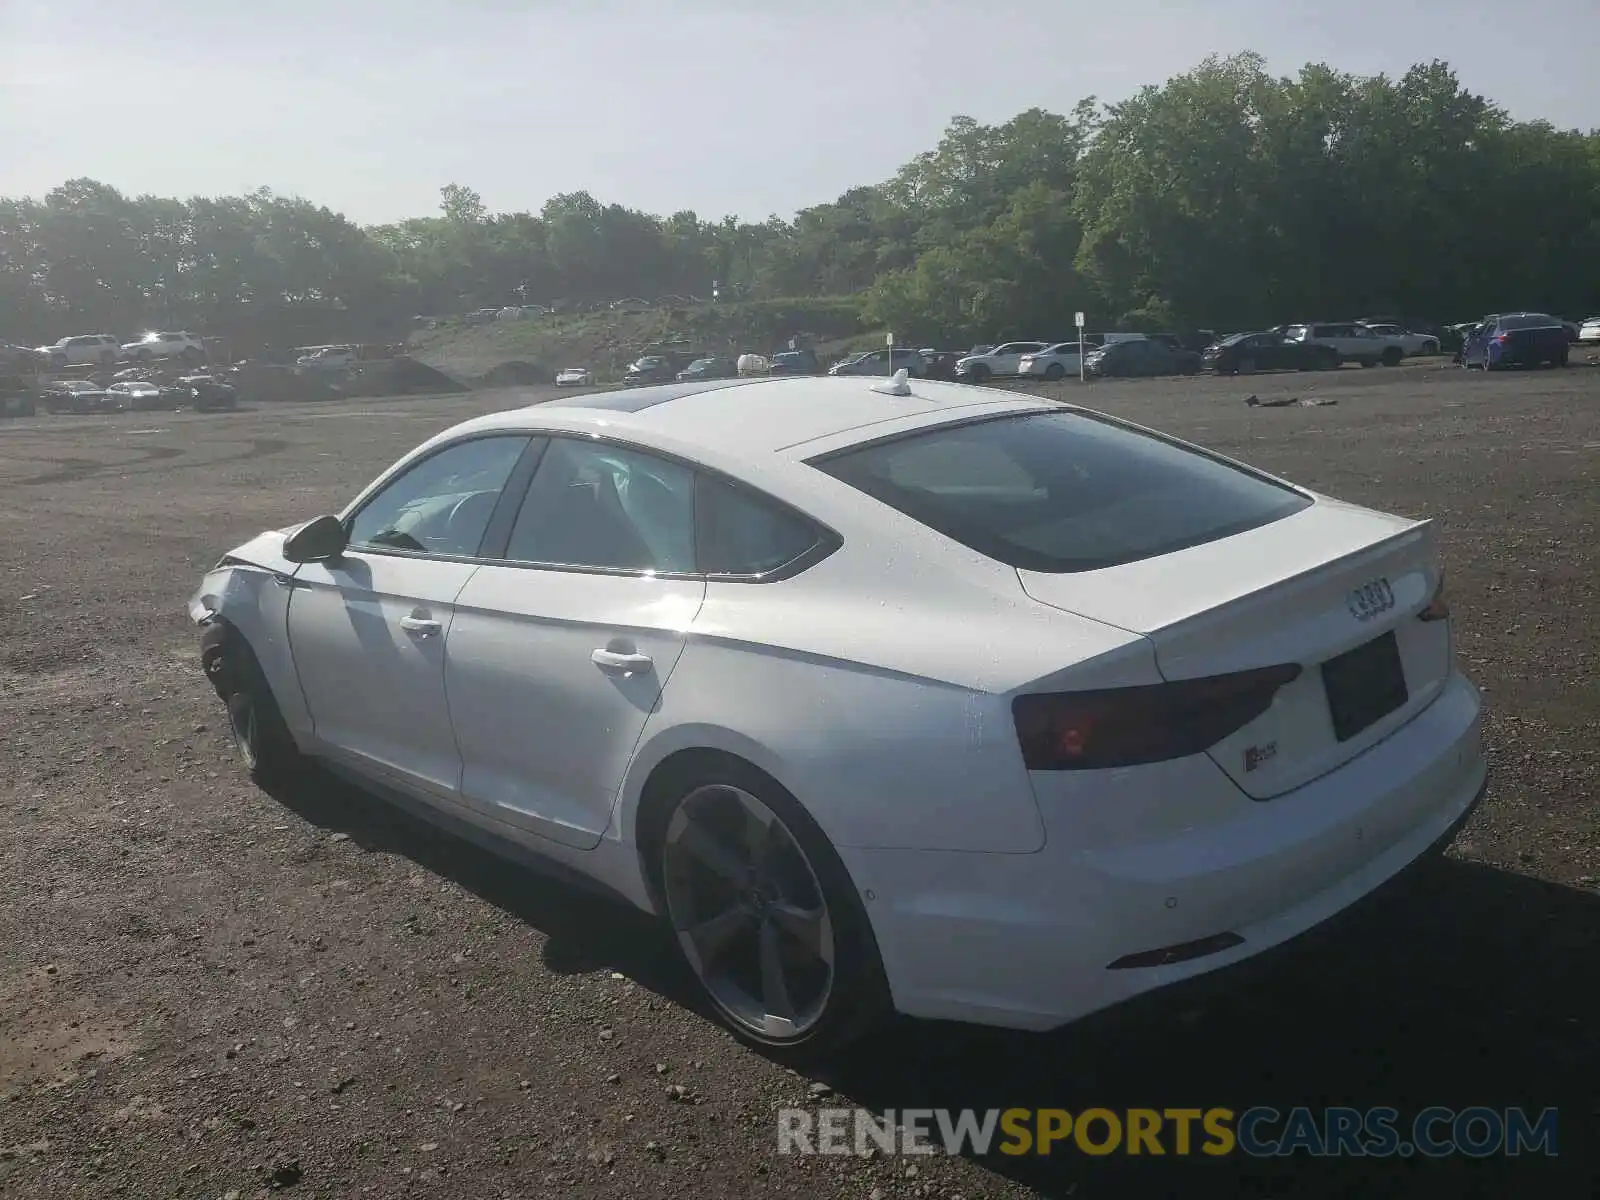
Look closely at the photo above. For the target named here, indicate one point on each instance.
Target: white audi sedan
(882, 695)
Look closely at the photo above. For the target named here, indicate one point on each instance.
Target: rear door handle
(421, 626)
(615, 661)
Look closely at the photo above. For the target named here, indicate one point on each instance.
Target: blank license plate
(1364, 685)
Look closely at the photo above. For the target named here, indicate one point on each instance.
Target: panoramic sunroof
(633, 400)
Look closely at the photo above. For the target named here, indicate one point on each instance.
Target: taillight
(1123, 727)
(1502, 338)
(1438, 605)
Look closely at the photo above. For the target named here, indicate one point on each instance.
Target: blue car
(1521, 339)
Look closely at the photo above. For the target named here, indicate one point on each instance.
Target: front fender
(250, 592)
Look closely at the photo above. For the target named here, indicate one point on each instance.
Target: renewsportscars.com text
(1259, 1132)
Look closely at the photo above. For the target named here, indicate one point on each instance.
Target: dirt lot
(208, 991)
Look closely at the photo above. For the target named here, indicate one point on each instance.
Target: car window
(442, 505)
(1062, 492)
(595, 505)
(740, 533)
(1529, 321)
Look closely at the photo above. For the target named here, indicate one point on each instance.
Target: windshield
(1062, 491)
(1235, 339)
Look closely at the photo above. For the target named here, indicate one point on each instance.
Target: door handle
(621, 663)
(421, 626)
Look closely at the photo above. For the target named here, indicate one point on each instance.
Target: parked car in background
(1519, 339)
(1247, 353)
(942, 363)
(184, 346)
(878, 362)
(1140, 357)
(75, 396)
(1354, 342)
(574, 377)
(1589, 331)
(1412, 344)
(85, 349)
(1002, 361)
(792, 362)
(137, 395)
(328, 358)
(709, 368)
(651, 368)
(207, 393)
(1053, 362)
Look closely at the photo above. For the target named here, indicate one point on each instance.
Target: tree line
(1227, 197)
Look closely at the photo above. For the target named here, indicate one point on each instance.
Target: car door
(560, 650)
(368, 630)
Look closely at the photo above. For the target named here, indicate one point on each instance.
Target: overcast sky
(750, 107)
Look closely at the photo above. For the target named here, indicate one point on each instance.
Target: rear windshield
(1529, 321)
(1061, 491)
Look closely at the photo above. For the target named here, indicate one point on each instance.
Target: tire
(1054, 372)
(262, 740)
(1562, 360)
(735, 859)
(1392, 356)
(978, 373)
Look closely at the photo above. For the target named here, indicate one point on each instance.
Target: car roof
(738, 418)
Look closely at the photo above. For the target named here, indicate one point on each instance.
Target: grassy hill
(607, 341)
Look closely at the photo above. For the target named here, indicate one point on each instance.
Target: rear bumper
(1026, 941)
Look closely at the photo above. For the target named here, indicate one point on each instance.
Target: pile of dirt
(408, 377)
(515, 374)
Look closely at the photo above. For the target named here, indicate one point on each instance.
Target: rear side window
(1529, 321)
(739, 533)
(1062, 492)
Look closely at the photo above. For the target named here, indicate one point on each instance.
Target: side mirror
(316, 541)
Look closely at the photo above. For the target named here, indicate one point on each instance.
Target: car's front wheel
(978, 373)
(1055, 371)
(766, 917)
(262, 739)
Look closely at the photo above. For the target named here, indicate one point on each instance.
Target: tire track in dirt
(151, 458)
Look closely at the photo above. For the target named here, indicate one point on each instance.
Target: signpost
(890, 341)
(1077, 319)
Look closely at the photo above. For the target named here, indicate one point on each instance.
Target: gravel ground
(209, 991)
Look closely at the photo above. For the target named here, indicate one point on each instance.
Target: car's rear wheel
(1055, 371)
(766, 917)
(978, 373)
(260, 736)
(1392, 356)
